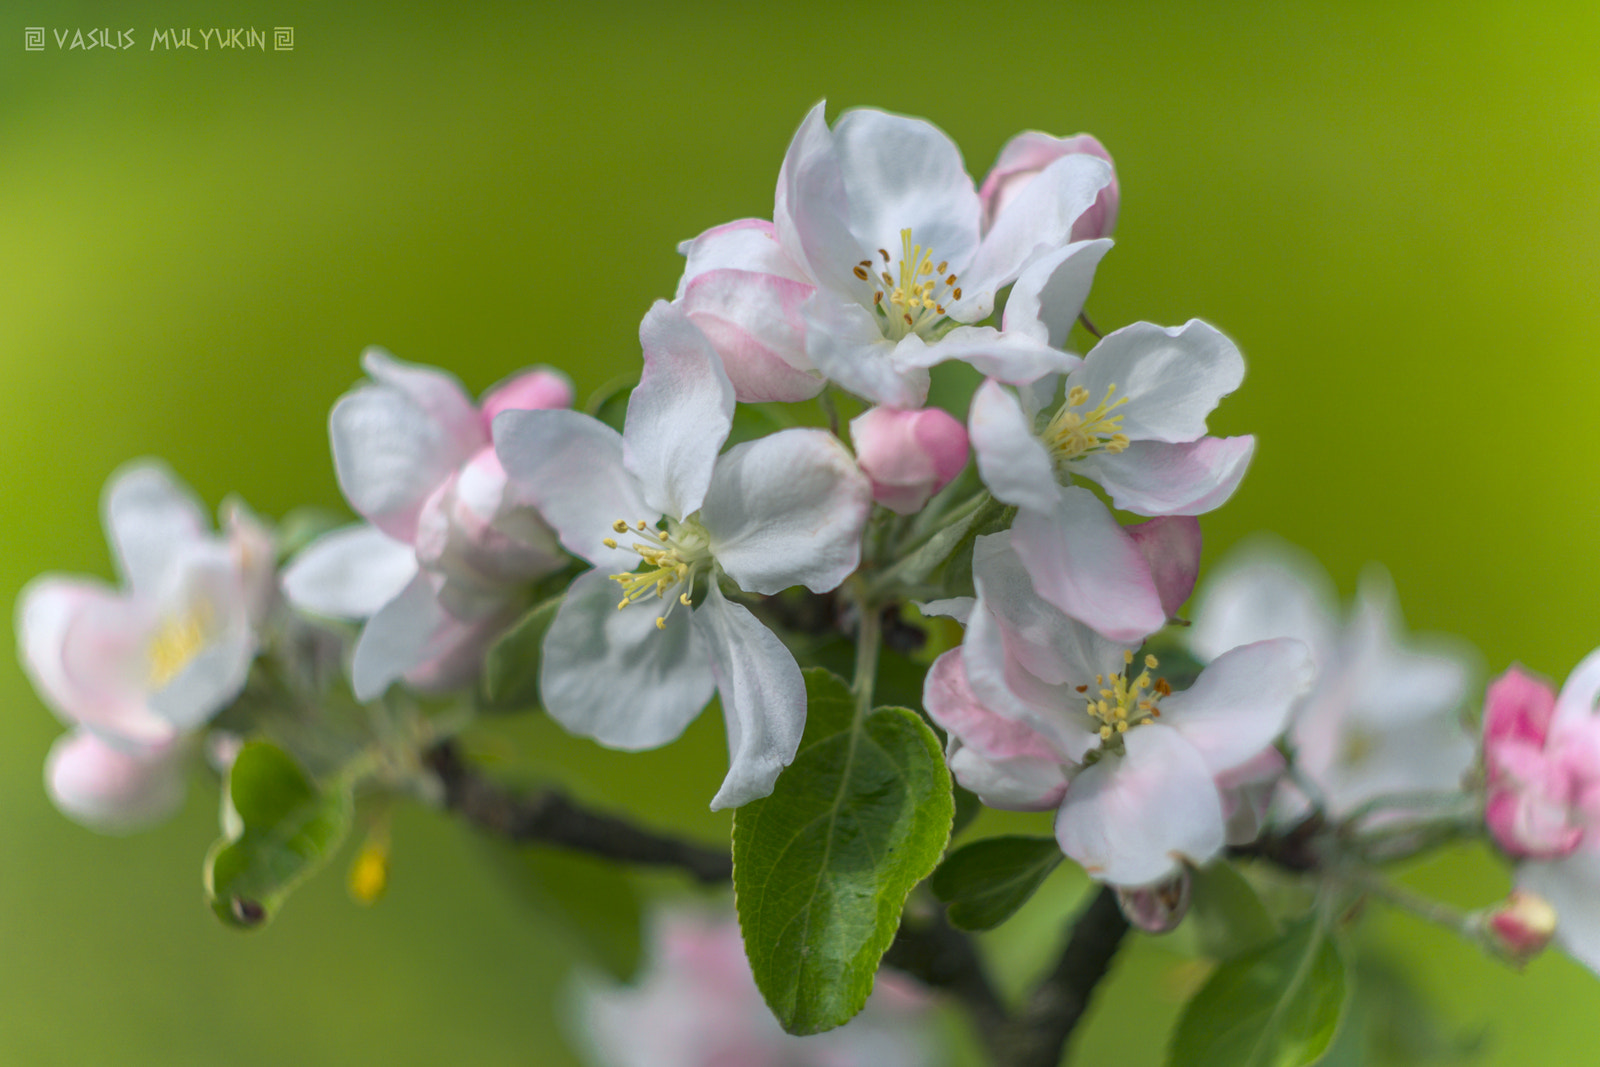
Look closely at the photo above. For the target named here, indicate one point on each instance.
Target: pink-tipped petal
(754, 322)
(1171, 546)
(1029, 153)
(538, 389)
(111, 790)
(1157, 478)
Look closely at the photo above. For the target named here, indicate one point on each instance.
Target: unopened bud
(1159, 908)
(534, 390)
(908, 455)
(1024, 156)
(1521, 927)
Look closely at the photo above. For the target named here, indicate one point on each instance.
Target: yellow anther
(1122, 728)
(620, 526)
(179, 641)
(1127, 656)
(1151, 662)
(624, 603)
(661, 534)
(1105, 733)
(661, 622)
(683, 598)
(1077, 396)
(610, 542)
(642, 526)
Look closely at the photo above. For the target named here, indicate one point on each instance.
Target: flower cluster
(618, 566)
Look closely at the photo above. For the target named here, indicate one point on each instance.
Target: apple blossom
(1542, 757)
(443, 563)
(908, 455)
(877, 262)
(697, 1006)
(784, 510)
(1044, 712)
(1025, 156)
(135, 670)
(1383, 716)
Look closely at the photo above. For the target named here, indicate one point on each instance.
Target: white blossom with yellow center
(668, 520)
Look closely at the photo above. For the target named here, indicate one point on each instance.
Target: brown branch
(1039, 1033)
(550, 817)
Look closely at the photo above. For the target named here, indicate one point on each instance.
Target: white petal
(208, 594)
(1039, 220)
(958, 608)
(747, 245)
(1157, 478)
(787, 509)
(396, 441)
(998, 681)
(400, 636)
(570, 466)
(1011, 460)
(1021, 784)
(113, 791)
(1013, 358)
(149, 518)
(1136, 819)
(1047, 643)
(844, 343)
(1572, 886)
(904, 173)
(1265, 588)
(611, 675)
(763, 698)
(1088, 566)
(1579, 692)
(83, 647)
(811, 214)
(349, 573)
(1045, 303)
(1241, 702)
(1394, 679)
(1172, 378)
(679, 414)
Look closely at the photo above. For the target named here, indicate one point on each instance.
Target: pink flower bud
(1159, 908)
(110, 790)
(1521, 927)
(908, 455)
(534, 390)
(1024, 156)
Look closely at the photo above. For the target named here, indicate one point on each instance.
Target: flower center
(1123, 704)
(915, 303)
(671, 559)
(176, 643)
(1073, 433)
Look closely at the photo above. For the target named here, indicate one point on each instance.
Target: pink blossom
(449, 546)
(908, 455)
(697, 1006)
(1542, 757)
(1025, 156)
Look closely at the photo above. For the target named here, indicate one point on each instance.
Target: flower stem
(869, 635)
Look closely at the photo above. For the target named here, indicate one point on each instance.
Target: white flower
(1132, 418)
(1384, 714)
(878, 260)
(633, 655)
(1044, 712)
(443, 563)
(134, 670)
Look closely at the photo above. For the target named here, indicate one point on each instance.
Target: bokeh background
(1394, 209)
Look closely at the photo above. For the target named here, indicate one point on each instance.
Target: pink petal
(1171, 546)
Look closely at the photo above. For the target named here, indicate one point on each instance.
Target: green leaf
(1227, 917)
(587, 902)
(511, 668)
(987, 881)
(278, 828)
(822, 867)
(1277, 1006)
(968, 807)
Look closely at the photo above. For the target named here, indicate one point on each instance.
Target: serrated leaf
(278, 828)
(823, 866)
(587, 902)
(1228, 917)
(1277, 1006)
(987, 881)
(511, 667)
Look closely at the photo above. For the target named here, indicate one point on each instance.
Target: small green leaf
(278, 827)
(987, 881)
(511, 668)
(587, 902)
(1277, 1006)
(1227, 916)
(822, 867)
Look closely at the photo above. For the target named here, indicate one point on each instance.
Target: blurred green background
(1394, 209)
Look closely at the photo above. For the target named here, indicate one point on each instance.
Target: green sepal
(511, 667)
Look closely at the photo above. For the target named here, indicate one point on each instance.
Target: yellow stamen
(179, 640)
